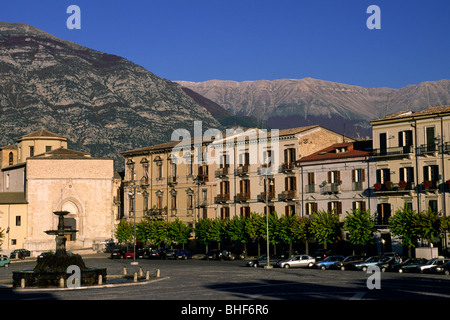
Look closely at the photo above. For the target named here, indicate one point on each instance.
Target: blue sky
(199, 40)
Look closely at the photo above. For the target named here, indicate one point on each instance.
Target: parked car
(169, 254)
(141, 253)
(183, 254)
(300, 260)
(262, 261)
(232, 254)
(371, 261)
(348, 263)
(19, 253)
(156, 254)
(4, 261)
(432, 264)
(328, 262)
(409, 265)
(117, 254)
(445, 269)
(214, 254)
(322, 254)
(128, 254)
(389, 264)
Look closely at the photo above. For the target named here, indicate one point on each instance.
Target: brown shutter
(363, 175)
(363, 206)
(354, 175)
(339, 207)
(329, 176)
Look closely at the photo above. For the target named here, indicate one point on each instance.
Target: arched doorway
(70, 222)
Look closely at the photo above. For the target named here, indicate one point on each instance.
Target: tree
(207, 230)
(324, 227)
(237, 232)
(428, 226)
(404, 225)
(361, 226)
(253, 227)
(300, 230)
(124, 231)
(178, 232)
(285, 232)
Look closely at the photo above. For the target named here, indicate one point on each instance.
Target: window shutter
(354, 175)
(329, 176)
(339, 207)
(329, 206)
(363, 175)
(363, 206)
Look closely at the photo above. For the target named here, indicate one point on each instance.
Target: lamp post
(130, 164)
(268, 266)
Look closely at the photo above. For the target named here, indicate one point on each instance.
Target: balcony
(172, 181)
(331, 188)
(393, 152)
(265, 169)
(393, 188)
(429, 186)
(242, 197)
(201, 178)
(222, 172)
(222, 197)
(357, 186)
(287, 195)
(287, 167)
(310, 188)
(241, 171)
(270, 196)
(427, 149)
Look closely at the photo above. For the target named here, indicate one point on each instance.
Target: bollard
(22, 283)
(157, 273)
(124, 271)
(135, 277)
(140, 272)
(100, 279)
(61, 282)
(147, 275)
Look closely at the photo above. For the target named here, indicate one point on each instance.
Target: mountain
(288, 103)
(102, 103)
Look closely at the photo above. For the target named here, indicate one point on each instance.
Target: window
(335, 207)
(225, 162)
(430, 138)
(290, 183)
(174, 201)
(7, 181)
(18, 221)
(205, 195)
(48, 148)
(289, 155)
(383, 213)
(383, 175)
(334, 177)
(244, 159)
(267, 157)
(245, 212)
(190, 201)
(310, 208)
(431, 173)
(225, 213)
(433, 205)
(11, 159)
(359, 205)
(406, 174)
(383, 143)
(358, 177)
(289, 210)
(31, 151)
(244, 186)
(225, 187)
(405, 138)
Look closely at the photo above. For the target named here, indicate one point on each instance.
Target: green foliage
(403, 224)
(178, 232)
(428, 225)
(124, 231)
(361, 226)
(254, 226)
(324, 227)
(236, 229)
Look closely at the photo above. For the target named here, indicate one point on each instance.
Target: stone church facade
(41, 175)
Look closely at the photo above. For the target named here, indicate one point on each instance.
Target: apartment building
(412, 154)
(338, 178)
(239, 172)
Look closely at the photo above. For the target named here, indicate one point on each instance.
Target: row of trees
(322, 226)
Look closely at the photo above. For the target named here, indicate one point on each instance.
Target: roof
(42, 133)
(342, 150)
(62, 153)
(12, 198)
(411, 114)
(171, 144)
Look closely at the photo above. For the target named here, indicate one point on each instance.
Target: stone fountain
(51, 268)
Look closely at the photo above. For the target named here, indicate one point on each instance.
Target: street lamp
(130, 164)
(268, 266)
